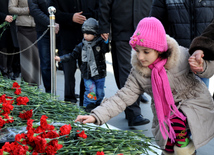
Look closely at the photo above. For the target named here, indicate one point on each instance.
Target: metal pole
(51, 11)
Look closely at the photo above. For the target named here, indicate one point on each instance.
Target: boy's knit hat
(90, 26)
(150, 33)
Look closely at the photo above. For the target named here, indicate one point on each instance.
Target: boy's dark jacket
(99, 53)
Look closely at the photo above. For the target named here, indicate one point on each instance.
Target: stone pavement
(120, 121)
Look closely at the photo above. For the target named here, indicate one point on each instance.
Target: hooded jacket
(189, 92)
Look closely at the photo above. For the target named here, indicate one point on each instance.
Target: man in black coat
(123, 17)
(39, 10)
(71, 14)
(8, 40)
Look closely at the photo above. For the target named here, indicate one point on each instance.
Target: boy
(92, 51)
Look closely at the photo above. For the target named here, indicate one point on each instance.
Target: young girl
(181, 102)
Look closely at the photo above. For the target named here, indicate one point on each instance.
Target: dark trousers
(69, 69)
(45, 62)
(121, 59)
(6, 61)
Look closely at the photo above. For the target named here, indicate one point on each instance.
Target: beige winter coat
(190, 94)
(20, 8)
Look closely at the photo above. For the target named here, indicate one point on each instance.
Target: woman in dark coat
(8, 40)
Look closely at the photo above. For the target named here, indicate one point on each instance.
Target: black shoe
(73, 101)
(144, 99)
(138, 120)
(16, 74)
(77, 95)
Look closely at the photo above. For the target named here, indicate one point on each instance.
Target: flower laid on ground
(81, 134)
(17, 87)
(22, 100)
(100, 153)
(35, 141)
(65, 130)
(63, 136)
(25, 115)
(5, 109)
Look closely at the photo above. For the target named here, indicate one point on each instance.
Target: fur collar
(171, 62)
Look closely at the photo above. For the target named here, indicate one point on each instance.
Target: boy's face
(88, 37)
(146, 56)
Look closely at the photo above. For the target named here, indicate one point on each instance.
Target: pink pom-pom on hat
(150, 33)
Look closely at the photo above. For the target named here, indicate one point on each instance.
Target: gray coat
(190, 94)
(20, 8)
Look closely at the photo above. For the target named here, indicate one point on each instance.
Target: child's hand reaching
(196, 61)
(85, 119)
(57, 58)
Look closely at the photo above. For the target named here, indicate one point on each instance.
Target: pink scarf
(163, 98)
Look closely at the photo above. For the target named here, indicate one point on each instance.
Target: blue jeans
(45, 62)
(96, 86)
(206, 81)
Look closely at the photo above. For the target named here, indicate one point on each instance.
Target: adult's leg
(69, 74)
(121, 57)
(45, 62)
(10, 59)
(30, 61)
(82, 87)
(4, 62)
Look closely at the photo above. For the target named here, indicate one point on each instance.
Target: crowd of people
(162, 48)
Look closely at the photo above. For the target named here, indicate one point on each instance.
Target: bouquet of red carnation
(26, 115)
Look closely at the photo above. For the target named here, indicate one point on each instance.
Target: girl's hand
(85, 119)
(57, 58)
(9, 18)
(196, 61)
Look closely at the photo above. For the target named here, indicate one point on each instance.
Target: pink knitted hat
(150, 33)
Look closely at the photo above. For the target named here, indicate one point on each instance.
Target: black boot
(90, 107)
(144, 99)
(138, 120)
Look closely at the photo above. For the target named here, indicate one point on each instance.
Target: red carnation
(82, 134)
(30, 124)
(22, 100)
(100, 153)
(26, 115)
(2, 122)
(51, 134)
(55, 144)
(65, 129)
(43, 122)
(20, 150)
(18, 137)
(40, 144)
(50, 150)
(18, 91)
(16, 85)
(3, 99)
(7, 108)
(8, 118)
